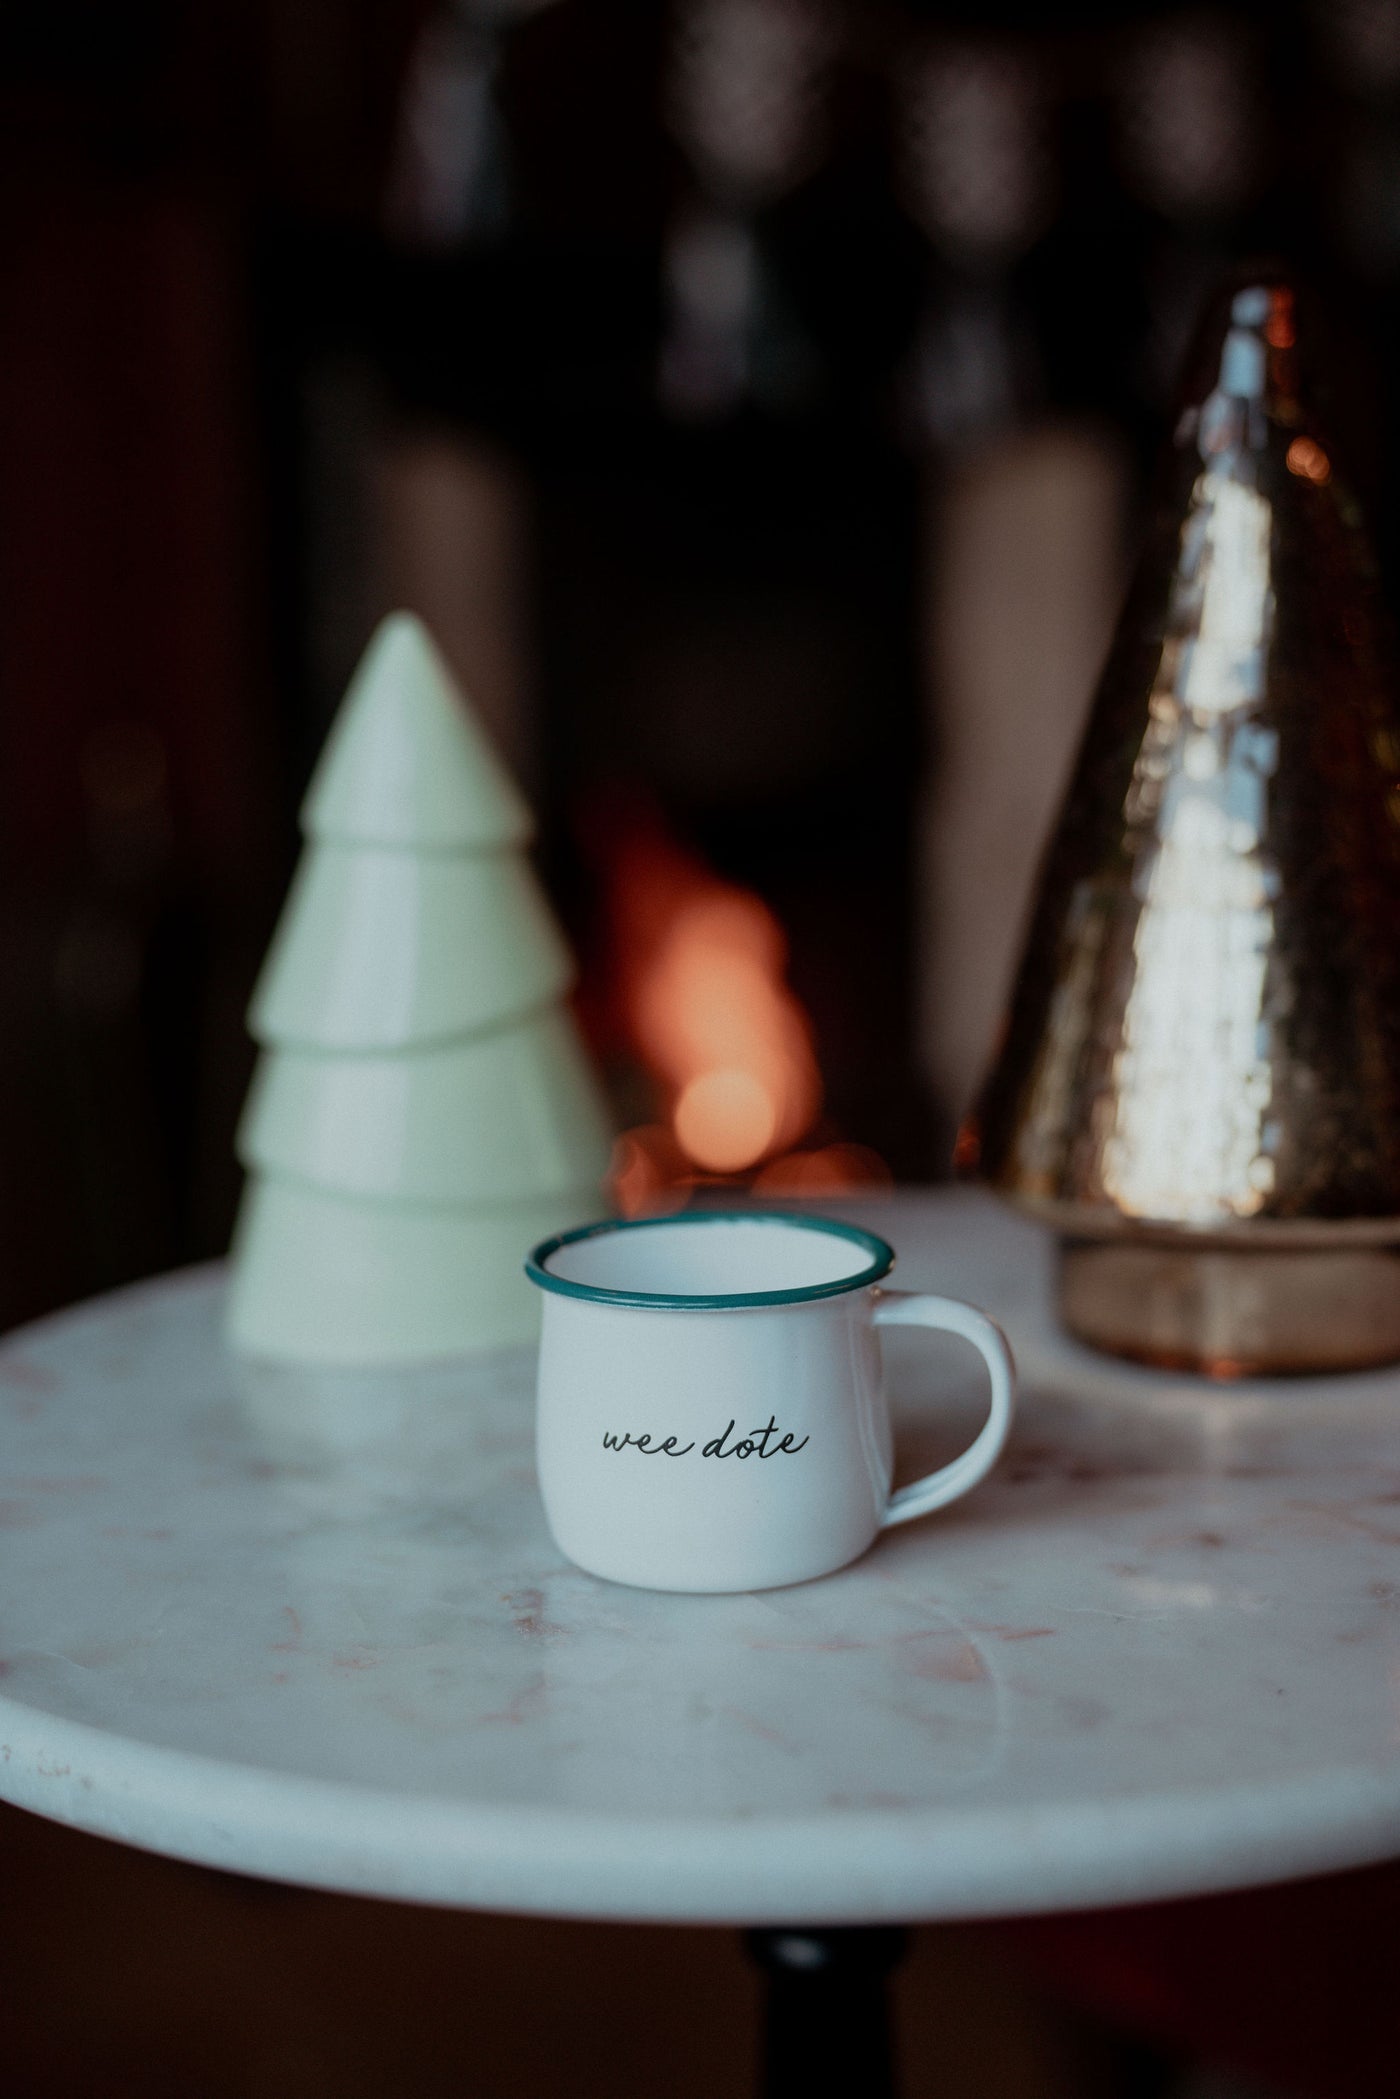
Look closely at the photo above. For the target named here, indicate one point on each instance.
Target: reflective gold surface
(1238, 1311)
(1204, 1044)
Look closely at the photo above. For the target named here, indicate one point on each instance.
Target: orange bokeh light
(1306, 458)
(724, 1120)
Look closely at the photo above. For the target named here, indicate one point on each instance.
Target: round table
(311, 1626)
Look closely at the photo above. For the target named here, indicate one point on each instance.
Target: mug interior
(712, 1258)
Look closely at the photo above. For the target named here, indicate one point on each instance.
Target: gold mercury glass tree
(1200, 1082)
(423, 1111)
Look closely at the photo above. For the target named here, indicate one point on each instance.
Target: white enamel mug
(712, 1412)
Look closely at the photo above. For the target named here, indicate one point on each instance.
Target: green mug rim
(882, 1258)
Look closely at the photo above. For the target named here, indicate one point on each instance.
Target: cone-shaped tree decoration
(424, 1111)
(1200, 1084)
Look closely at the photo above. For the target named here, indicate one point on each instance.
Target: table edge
(873, 1865)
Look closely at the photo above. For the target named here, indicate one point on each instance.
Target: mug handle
(936, 1489)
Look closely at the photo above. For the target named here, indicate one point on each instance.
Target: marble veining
(311, 1625)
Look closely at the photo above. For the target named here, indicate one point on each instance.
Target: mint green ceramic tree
(423, 1111)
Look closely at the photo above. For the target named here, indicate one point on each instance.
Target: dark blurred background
(755, 397)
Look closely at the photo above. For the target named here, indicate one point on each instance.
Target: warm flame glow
(703, 991)
(835, 1169)
(648, 1172)
(698, 995)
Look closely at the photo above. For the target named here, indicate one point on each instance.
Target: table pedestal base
(826, 2025)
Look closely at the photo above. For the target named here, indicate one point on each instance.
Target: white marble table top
(314, 1628)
